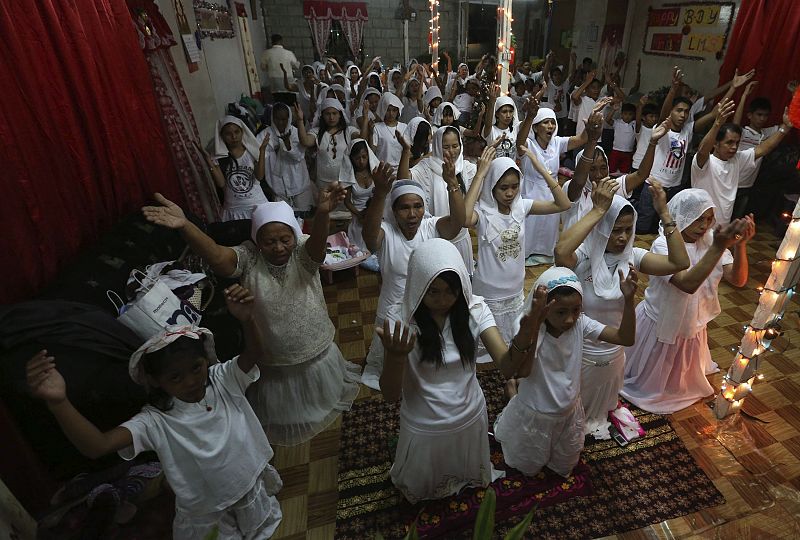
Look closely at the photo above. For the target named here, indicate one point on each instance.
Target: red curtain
(81, 141)
(765, 37)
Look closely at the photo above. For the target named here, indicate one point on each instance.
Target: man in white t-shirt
(557, 91)
(272, 60)
(719, 164)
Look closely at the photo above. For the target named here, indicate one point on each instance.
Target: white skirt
(255, 516)
(354, 234)
(600, 386)
(437, 465)
(505, 313)
(532, 439)
(294, 403)
(662, 378)
(233, 213)
(374, 363)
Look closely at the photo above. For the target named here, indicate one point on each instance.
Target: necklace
(206, 405)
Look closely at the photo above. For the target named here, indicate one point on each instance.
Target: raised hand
(786, 120)
(731, 234)
(677, 77)
(540, 94)
(532, 105)
(603, 193)
(331, 197)
(750, 87)
(590, 77)
(628, 284)
(383, 176)
(398, 343)
(594, 125)
(402, 140)
(602, 103)
(168, 214)
(485, 161)
(265, 141)
(644, 100)
(298, 113)
(240, 302)
(661, 129)
(724, 109)
(741, 80)
(750, 229)
(44, 380)
(494, 92)
(659, 196)
(449, 171)
(538, 312)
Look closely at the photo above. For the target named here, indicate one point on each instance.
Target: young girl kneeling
(543, 423)
(210, 443)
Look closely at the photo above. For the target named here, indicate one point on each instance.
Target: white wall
(221, 78)
(700, 74)
(588, 14)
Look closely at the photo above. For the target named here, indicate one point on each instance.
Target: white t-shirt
(211, 458)
(443, 398)
(501, 263)
(608, 312)
(583, 204)
(721, 180)
(584, 110)
(463, 102)
(557, 97)
(670, 157)
(385, 142)
(624, 135)
(242, 188)
(331, 151)
(642, 140)
(393, 256)
(555, 379)
(750, 139)
(508, 146)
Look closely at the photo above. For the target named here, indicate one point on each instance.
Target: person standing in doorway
(271, 62)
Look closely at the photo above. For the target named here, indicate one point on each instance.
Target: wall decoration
(213, 20)
(695, 31)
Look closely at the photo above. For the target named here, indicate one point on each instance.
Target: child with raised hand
(330, 139)
(213, 450)
(543, 424)
(503, 124)
(382, 135)
(646, 118)
(624, 144)
(499, 219)
(238, 166)
(595, 247)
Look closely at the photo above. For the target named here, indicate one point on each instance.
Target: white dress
(216, 462)
(541, 232)
(664, 378)
(287, 173)
(242, 190)
(306, 383)
(331, 150)
(359, 196)
(443, 408)
(385, 142)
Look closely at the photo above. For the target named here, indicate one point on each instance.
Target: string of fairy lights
(765, 326)
(434, 34)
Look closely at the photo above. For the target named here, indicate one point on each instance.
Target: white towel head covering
(541, 115)
(685, 208)
(412, 127)
(352, 68)
(164, 338)
(605, 280)
(273, 212)
(360, 109)
(347, 174)
(502, 101)
(272, 127)
(430, 94)
(427, 262)
(388, 99)
(368, 79)
(390, 82)
(552, 278)
(436, 159)
(598, 150)
(488, 204)
(400, 188)
(439, 113)
(248, 139)
(407, 86)
(331, 103)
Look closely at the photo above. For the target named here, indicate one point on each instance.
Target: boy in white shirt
(719, 164)
(646, 118)
(584, 98)
(621, 157)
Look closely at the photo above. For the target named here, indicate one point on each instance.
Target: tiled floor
(753, 459)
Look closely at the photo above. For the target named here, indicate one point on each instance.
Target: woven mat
(612, 490)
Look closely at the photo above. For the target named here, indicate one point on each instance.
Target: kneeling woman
(306, 382)
(430, 363)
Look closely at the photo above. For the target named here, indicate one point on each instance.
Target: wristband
(670, 224)
(454, 189)
(516, 348)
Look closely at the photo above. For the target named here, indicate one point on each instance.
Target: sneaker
(534, 260)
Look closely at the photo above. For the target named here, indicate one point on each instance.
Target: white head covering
(300, 87)
(360, 109)
(412, 127)
(347, 174)
(427, 262)
(366, 81)
(604, 280)
(463, 80)
(552, 278)
(541, 115)
(164, 338)
(436, 159)
(388, 99)
(488, 204)
(430, 94)
(272, 212)
(439, 113)
(389, 82)
(502, 101)
(324, 91)
(248, 139)
(331, 103)
(350, 69)
(400, 188)
(273, 128)
(587, 187)
(407, 85)
(685, 208)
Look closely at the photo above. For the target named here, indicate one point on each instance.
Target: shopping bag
(151, 312)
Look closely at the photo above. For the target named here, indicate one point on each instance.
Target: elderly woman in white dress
(306, 381)
(665, 370)
(596, 247)
(431, 340)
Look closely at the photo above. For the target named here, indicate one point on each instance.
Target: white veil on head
(248, 139)
(488, 204)
(412, 127)
(347, 174)
(502, 101)
(605, 281)
(439, 113)
(436, 159)
(388, 99)
(541, 115)
(400, 188)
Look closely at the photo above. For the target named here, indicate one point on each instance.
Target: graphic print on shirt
(240, 180)
(677, 151)
(557, 99)
(510, 247)
(506, 148)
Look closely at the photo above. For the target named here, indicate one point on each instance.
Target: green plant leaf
(412, 533)
(518, 532)
(484, 522)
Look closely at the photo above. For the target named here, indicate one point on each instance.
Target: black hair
(155, 363)
(627, 210)
(628, 107)
(430, 336)
(357, 148)
(277, 106)
(408, 86)
(680, 99)
(727, 127)
(587, 59)
(560, 292)
(323, 128)
(377, 77)
(276, 38)
(420, 145)
(452, 110)
(760, 104)
(650, 108)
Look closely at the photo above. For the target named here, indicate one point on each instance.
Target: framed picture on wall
(695, 31)
(213, 20)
